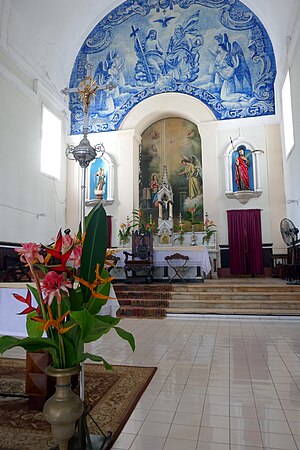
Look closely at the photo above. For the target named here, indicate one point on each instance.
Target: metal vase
(64, 407)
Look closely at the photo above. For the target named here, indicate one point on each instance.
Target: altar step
(245, 297)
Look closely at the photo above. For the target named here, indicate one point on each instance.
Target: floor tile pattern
(221, 384)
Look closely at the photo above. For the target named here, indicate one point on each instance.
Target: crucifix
(87, 90)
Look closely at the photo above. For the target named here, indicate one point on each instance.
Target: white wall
(32, 205)
(292, 162)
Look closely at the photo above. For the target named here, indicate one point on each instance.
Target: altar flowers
(70, 287)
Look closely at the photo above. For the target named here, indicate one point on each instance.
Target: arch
(216, 51)
(166, 105)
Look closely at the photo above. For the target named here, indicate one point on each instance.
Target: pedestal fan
(289, 234)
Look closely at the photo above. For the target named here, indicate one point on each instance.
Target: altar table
(15, 325)
(198, 256)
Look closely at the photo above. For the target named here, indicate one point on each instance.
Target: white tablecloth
(198, 256)
(15, 325)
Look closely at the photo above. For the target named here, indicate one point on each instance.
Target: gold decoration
(87, 89)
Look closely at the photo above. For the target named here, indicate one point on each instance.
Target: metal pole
(82, 214)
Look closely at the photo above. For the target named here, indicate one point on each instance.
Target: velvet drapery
(245, 242)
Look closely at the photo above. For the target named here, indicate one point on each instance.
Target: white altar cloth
(13, 324)
(198, 256)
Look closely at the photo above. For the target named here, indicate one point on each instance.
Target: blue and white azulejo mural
(214, 50)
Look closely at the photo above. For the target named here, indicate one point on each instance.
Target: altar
(13, 324)
(196, 264)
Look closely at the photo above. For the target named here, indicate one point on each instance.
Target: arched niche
(100, 181)
(249, 167)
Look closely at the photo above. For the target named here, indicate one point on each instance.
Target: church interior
(179, 119)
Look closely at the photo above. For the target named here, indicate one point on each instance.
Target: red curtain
(245, 242)
(109, 229)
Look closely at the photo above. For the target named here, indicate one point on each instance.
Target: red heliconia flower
(27, 300)
(52, 286)
(30, 252)
(57, 253)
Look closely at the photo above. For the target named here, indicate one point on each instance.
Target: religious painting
(170, 154)
(216, 51)
(100, 181)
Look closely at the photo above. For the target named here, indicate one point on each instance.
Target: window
(51, 144)
(287, 115)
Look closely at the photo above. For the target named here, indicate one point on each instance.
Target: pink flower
(67, 241)
(30, 252)
(52, 286)
(76, 256)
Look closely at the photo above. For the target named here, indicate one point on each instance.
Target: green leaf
(30, 344)
(35, 293)
(94, 248)
(75, 299)
(96, 358)
(95, 304)
(70, 351)
(34, 329)
(85, 320)
(113, 321)
(97, 330)
(126, 336)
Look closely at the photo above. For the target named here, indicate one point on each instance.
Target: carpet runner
(112, 396)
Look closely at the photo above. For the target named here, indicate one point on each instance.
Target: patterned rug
(112, 396)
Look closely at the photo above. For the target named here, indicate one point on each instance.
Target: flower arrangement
(136, 222)
(180, 238)
(209, 229)
(193, 215)
(125, 230)
(70, 287)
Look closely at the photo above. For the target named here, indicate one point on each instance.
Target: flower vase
(193, 237)
(64, 407)
(124, 242)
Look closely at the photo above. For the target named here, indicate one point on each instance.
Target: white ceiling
(43, 37)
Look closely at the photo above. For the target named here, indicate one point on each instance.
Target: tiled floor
(221, 384)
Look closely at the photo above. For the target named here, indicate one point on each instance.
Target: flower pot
(64, 407)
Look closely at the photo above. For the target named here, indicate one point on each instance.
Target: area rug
(112, 396)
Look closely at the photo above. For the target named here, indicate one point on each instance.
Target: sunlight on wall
(287, 115)
(51, 144)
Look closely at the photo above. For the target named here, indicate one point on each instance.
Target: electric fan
(289, 232)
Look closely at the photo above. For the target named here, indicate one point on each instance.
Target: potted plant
(69, 295)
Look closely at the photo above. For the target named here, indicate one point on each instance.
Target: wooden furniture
(139, 263)
(11, 268)
(172, 261)
(278, 263)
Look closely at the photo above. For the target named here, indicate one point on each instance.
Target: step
(232, 311)
(219, 297)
